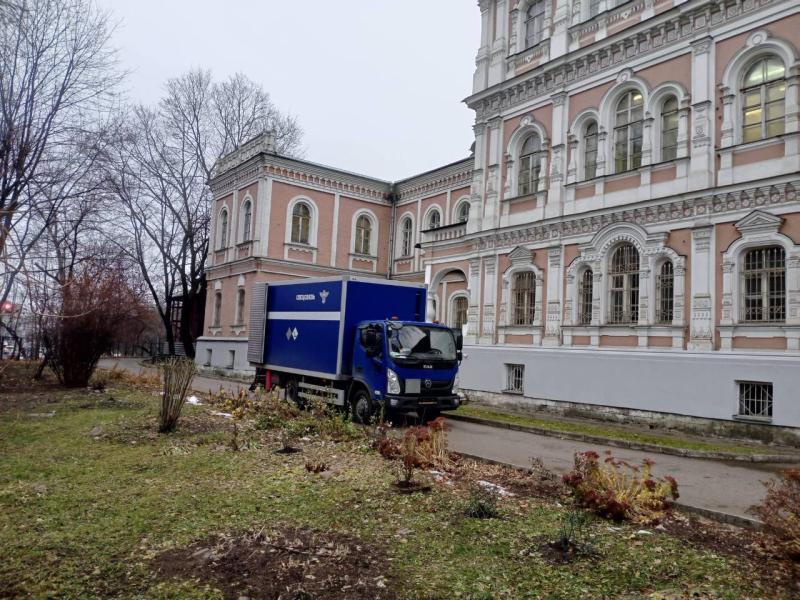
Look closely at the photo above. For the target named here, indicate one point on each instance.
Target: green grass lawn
(611, 432)
(85, 516)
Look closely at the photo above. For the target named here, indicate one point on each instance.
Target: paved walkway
(712, 485)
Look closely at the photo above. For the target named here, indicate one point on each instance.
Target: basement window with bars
(515, 377)
(755, 400)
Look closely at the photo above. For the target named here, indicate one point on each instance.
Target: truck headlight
(392, 382)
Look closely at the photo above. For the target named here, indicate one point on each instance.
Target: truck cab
(403, 366)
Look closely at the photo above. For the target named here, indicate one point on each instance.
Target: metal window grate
(764, 286)
(755, 399)
(624, 286)
(585, 291)
(524, 292)
(665, 291)
(460, 309)
(515, 376)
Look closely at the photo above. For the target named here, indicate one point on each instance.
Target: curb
(596, 439)
(714, 515)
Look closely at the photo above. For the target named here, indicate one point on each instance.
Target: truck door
(368, 365)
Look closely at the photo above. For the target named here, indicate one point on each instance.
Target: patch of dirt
(554, 553)
(191, 427)
(289, 564)
(535, 482)
(749, 545)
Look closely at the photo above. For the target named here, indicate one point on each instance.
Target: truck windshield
(422, 343)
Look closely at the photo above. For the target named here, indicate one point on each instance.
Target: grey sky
(376, 84)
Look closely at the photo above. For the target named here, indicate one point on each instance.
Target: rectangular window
(515, 377)
(209, 356)
(524, 300)
(755, 399)
(763, 280)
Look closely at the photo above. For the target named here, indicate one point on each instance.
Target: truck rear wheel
(361, 407)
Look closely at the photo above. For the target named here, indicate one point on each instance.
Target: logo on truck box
(311, 297)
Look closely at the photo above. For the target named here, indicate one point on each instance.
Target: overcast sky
(377, 84)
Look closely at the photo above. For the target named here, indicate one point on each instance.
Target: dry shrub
(420, 447)
(618, 490)
(177, 375)
(780, 512)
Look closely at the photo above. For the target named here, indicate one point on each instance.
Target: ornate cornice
(673, 28)
(655, 212)
(458, 174)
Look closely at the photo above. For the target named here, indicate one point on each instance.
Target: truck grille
(419, 387)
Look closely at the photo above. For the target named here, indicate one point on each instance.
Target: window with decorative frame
(590, 139)
(434, 219)
(530, 166)
(665, 294)
(247, 218)
(460, 311)
(628, 132)
(623, 286)
(240, 298)
(523, 292)
(462, 214)
(534, 23)
(406, 236)
(594, 7)
(764, 99)
(301, 223)
(763, 278)
(669, 129)
(363, 235)
(217, 313)
(585, 293)
(223, 229)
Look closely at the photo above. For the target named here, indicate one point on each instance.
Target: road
(713, 485)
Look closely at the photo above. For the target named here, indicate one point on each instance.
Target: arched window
(764, 102)
(585, 291)
(623, 286)
(434, 219)
(217, 314)
(462, 212)
(247, 218)
(669, 129)
(665, 294)
(594, 7)
(460, 309)
(628, 132)
(363, 235)
(240, 307)
(534, 23)
(530, 166)
(524, 298)
(406, 236)
(301, 223)
(764, 285)
(590, 151)
(223, 229)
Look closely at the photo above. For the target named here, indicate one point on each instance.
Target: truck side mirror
(459, 335)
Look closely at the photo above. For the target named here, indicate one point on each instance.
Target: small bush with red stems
(419, 447)
(780, 512)
(618, 490)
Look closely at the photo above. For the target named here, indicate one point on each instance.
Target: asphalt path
(712, 485)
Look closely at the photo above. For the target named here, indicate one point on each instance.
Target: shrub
(570, 534)
(177, 375)
(618, 490)
(780, 512)
(420, 447)
(482, 503)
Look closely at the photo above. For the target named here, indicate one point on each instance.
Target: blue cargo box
(307, 327)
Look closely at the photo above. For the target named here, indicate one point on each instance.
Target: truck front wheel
(361, 407)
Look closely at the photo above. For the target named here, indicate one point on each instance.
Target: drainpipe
(392, 199)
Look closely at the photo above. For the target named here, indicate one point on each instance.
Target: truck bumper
(450, 402)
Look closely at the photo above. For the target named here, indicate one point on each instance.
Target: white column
(701, 327)
(481, 77)
(559, 39)
(702, 163)
(474, 300)
(555, 278)
(263, 210)
(475, 222)
(558, 166)
(489, 299)
(491, 207)
(335, 232)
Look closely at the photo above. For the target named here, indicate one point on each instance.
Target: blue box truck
(356, 342)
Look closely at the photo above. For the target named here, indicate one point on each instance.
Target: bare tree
(161, 171)
(57, 77)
